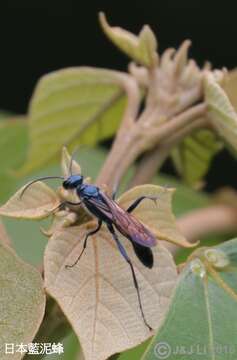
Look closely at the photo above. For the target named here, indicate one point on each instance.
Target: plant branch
(132, 90)
(154, 159)
(142, 136)
(178, 122)
(148, 166)
(198, 223)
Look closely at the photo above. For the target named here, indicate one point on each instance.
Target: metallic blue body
(108, 211)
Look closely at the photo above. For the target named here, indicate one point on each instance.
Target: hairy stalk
(140, 137)
(154, 159)
(150, 163)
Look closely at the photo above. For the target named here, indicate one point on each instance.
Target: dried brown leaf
(22, 301)
(98, 295)
(4, 238)
(67, 162)
(36, 203)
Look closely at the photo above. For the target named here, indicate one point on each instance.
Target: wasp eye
(65, 184)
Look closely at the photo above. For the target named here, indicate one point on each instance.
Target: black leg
(71, 203)
(137, 202)
(124, 254)
(62, 204)
(92, 232)
(115, 189)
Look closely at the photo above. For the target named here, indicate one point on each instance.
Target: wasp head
(73, 181)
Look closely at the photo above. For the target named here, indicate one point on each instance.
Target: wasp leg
(124, 254)
(92, 232)
(62, 204)
(137, 202)
(71, 203)
(115, 190)
(114, 194)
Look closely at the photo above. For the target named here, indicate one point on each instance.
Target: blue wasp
(106, 210)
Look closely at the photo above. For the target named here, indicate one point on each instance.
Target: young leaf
(75, 105)
(202, 319)
(193, 156)
(35, 203)
(222, 114)
(98, 295)
(67, 162)
(230, 87)
(158, 217)
(141, 48)
(22, 301)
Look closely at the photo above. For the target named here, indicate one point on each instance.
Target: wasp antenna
(39, 179)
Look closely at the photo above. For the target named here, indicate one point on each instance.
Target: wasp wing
(99, 208)
(128, 225)
(109, 211)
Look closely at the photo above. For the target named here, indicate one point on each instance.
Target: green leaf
(202, 319)
(13, 139)
(221, 113)
(135, 353)
(22, 301)
(72, 106)
(141, 48)
(193, 156)
(71, 350)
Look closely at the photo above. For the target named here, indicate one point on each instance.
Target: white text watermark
(164, 350)
(34, 348)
